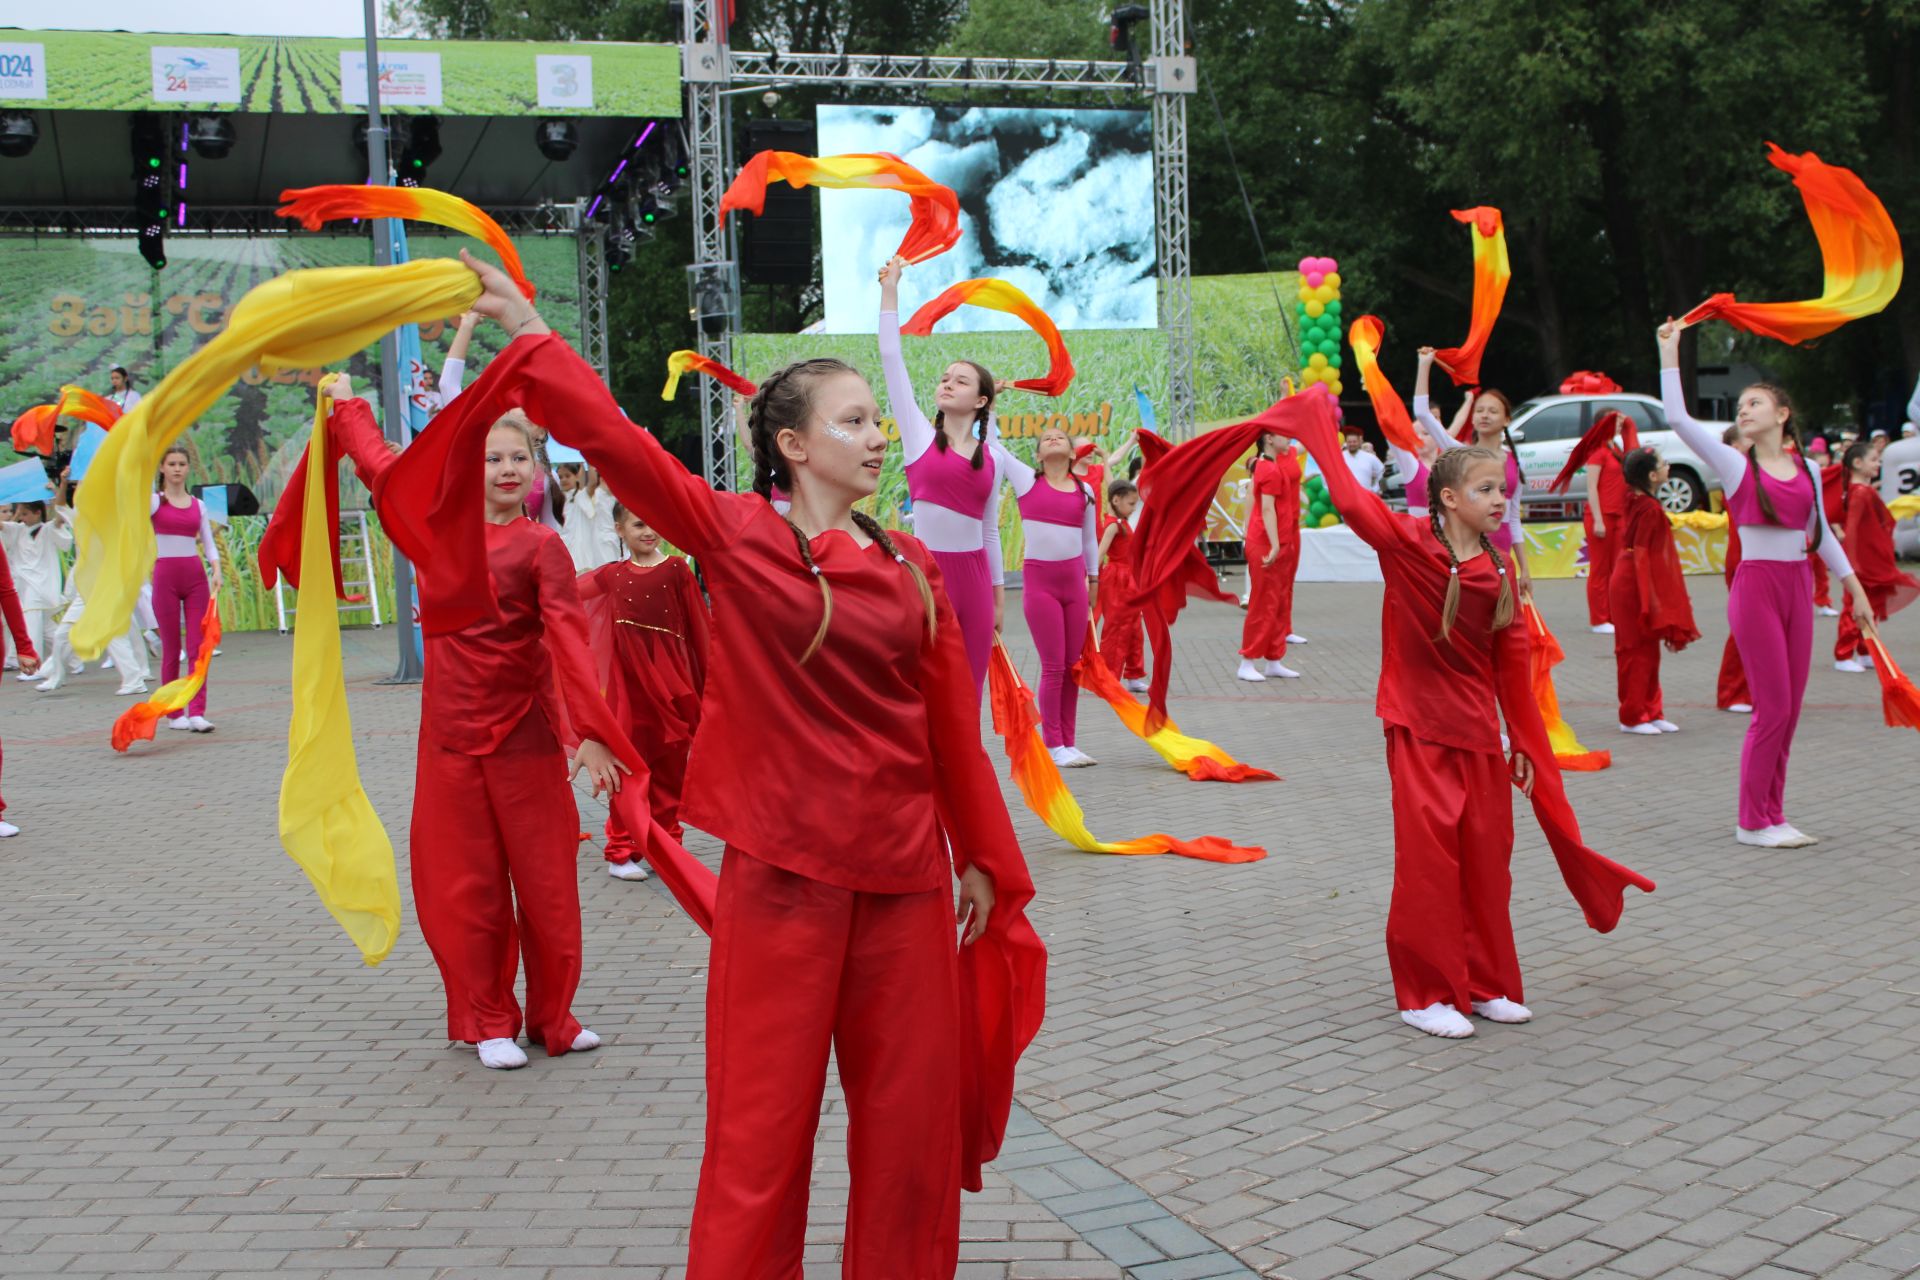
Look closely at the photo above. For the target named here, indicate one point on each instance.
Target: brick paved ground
(198, 1078)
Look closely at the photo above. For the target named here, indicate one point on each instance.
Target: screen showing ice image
(1057, 201)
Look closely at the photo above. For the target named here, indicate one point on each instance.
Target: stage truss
(714, 73)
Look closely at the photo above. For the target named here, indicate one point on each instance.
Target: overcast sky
(195, 17)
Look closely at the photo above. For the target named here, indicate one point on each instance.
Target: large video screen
(1057, 201)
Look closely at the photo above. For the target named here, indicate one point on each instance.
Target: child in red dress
(1866, 526)
(649, 626)
(1648, 596)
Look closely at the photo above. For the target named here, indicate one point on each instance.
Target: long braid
(872, 529)
(1503, 607)
(1452, 604)
(826, 593)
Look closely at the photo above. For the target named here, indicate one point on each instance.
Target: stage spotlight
(420, 149)
(557, 139)
(18, 133)
(712, 306)
(150, 186)
(620, 240)
(1120, 34)
(212, 136)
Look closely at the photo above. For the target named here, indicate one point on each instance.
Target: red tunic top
(649, 628)
(1651, 562)
(1868, 532)
(1279, 480)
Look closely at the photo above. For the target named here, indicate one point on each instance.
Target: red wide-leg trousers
(800, 966)
(1269, 620)
(1122, 637)
(493, 836)
(1449, 939)
(1599, 571)
(1636, 654)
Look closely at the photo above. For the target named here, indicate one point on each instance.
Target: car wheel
(1682, 492)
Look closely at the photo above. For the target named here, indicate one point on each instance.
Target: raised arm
(916, 433)
(1723, 458)
(1423, 406)
(453, 373)
(1366, 512)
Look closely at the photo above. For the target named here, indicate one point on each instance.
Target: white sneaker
(1666, 726)
(48, 685)
(1604, 629)
(1648, 728)
(1828, 611)
(585, 1040)
(1248, 671)
(1441, 1020)
(1134, 686)
(76, 668)
(1080, 759)
(106, 663)
(1779, 836)
(1282, 671)
(1850, 664)
(502, 1055)
(200, 724)
(1796, 838)
(1062, 757)
(1294, 639)
(1741, 708)
(128, 691)
(8, 830)
(634, 870)
(28, 675)
(182, 723)
(1503, 1010)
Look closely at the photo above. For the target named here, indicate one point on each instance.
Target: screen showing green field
(130, 71)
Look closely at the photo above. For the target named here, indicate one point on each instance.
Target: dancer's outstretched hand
(338, 387)
(1521, 770)
(1862, 611)
(602, 766)
(976, 899)
(502, 300)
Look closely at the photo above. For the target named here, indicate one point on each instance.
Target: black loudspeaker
(238, 499)
(777, 246)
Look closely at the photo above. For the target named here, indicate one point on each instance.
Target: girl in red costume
(839, 758)
(493, 842)
(1648, 596)
(1273, 557)
(650, 641)
(1866, 526)
(1603, 512)
(1122, 641)
(16, 624)
(1453, 662)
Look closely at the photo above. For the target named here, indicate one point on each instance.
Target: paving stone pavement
(198, 1078)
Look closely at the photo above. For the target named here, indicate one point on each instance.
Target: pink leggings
(1771, 609)
(1054, 598)
(180, 587)
(969, 587)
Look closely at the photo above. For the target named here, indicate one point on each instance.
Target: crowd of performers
(811, 695)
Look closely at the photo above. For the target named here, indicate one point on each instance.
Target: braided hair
(1447, 472)
(1791, 431)
(783, 403)
(1638, 468)
(980, 416)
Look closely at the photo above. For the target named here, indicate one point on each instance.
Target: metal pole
(409, 669)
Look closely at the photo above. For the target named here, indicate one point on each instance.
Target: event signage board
(182, 74)
(139, 71)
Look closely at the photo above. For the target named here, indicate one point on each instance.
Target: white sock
(1248, 671)
(8, 830)
(1294, 639)
(1666, 726)
(1741, 708)
(1441, 1020)
(1281, 670)
(585, 1040)
(1798, 838)
(1501, 1009)
(1648, 727)
(502, 1055)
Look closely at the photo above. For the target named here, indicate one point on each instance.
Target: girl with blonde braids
(1453, 662)
(838, 757)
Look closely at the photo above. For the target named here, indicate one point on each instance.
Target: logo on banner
(23, 71)
(195, 75)
(406, 79)
(564, 79)
(423, 389)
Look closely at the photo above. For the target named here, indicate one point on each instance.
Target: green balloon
(1330, 348)
(1333, 359)
(1332, 308)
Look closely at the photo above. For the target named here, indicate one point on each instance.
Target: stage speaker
(227, 500)
(777, 246)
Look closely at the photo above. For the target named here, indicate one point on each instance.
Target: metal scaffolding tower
(714, 72)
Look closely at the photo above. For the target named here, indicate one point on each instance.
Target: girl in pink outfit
(953, 480)
(1062, 565)
(1772, 497)
(1491, 413)
(181, 585)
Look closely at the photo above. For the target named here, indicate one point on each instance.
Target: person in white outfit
(587, 523)
(1364, 463)
(34, 540)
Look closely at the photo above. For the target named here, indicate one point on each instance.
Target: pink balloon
(1306, 264)
(1329, 265)
(1315, 279)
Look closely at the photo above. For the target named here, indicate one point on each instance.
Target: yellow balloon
(1329, 520)
(1315, 307)
(1316, 361)
(1336, 386)
(1306, 293)
(1332, 279)
(1325, 294)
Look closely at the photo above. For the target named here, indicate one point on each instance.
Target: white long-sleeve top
(1757, 541)
(588, 529)
(452, 374)
(1045, 539)
(33, 552)
(935, 523)
(1423, 410)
